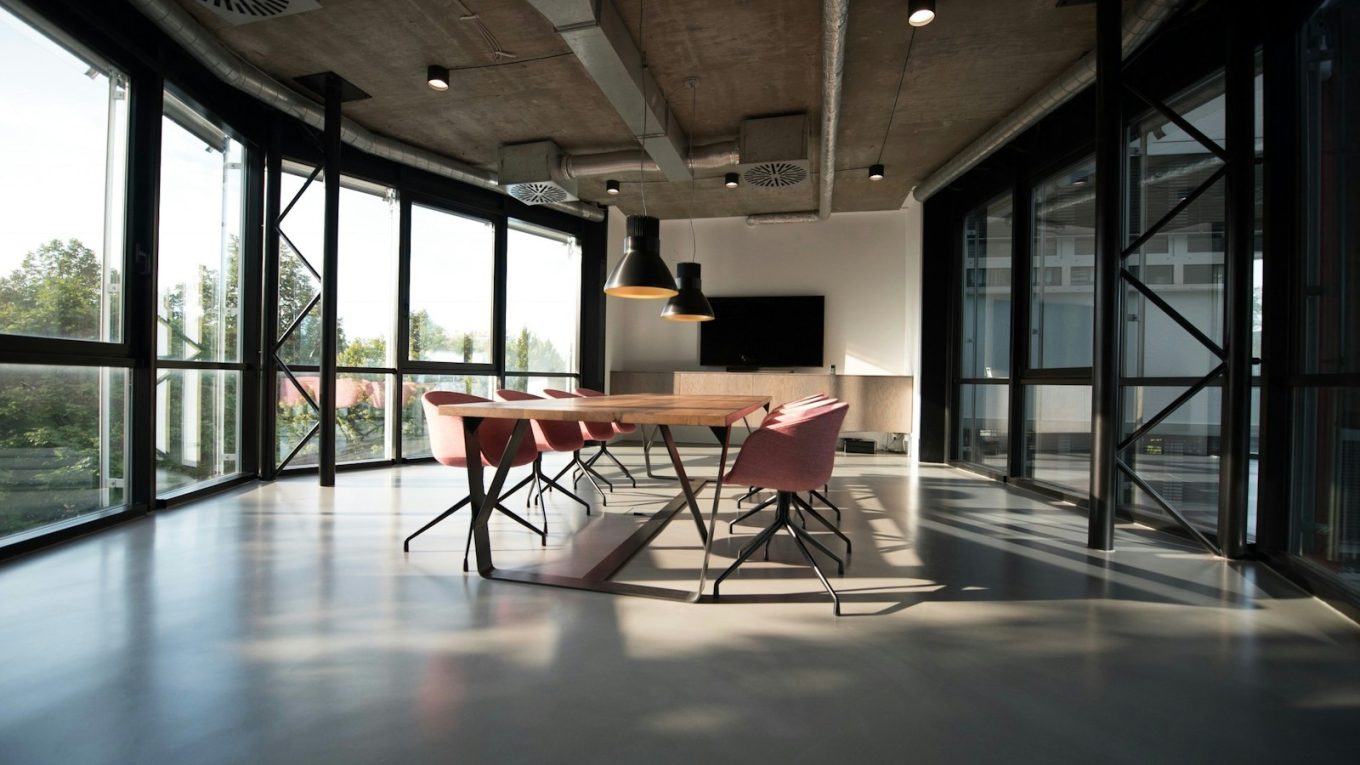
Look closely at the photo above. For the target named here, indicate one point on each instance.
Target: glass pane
(453, 262)
(543, 302)
(201, 225)
(1062, 310)
(62, 444)
(294, 419)
(1179, 457)
(986, 334)
(361, 414)
(197, 426)
(1329, 278)
(1058, 435)
(983, 424)
(300, 246)
(537, 385)
(415, 439)
(1325, 523)
(367, 278)
(63, 147)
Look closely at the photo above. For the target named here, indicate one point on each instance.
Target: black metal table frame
(598, 578)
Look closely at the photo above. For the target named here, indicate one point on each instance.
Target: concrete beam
(596, 33)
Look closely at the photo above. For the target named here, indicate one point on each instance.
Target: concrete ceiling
(971, 67)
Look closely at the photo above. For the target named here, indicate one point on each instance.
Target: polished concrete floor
(282, 623)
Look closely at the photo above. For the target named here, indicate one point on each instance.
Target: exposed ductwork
(230, 68)
(835, 14)
(1140, 21)
(715, 156)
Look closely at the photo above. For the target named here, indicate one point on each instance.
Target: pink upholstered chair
(775, 415)
(550, 436)
(795, 453)
(618, 428)
(590, 431)
(449, 448)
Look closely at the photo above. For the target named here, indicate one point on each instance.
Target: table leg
(647, 439)
(484, 498)
(684, 481)
(726, 438)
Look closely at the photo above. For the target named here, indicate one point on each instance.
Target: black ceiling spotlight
(875, 172)
(689, 304)
(732, 180)
(437, 77)
(920, 12)
(611, 187)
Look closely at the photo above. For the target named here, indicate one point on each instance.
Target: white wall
(868, 265)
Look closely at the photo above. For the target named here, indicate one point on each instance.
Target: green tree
(50, 439)
(55, 293)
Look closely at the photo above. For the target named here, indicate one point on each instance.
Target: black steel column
(1105, 414)
(1235, 430)
(329, 285)
(140, 289)
(1022, 268)
(269, 320)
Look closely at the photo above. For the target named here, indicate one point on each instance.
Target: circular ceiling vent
(246, 11)
(539, 193)
(772, 175)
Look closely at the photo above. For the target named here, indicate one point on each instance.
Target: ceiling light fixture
(437, 77)
(876, 172)
(689, 304)
(920, 12)
(611, 187)
(732, 180)
(642, 273)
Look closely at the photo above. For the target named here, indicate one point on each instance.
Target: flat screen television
(752, 332)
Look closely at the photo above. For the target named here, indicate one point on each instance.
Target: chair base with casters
(542, 533)
(801, 538)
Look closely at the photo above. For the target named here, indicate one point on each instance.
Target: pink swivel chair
(794, 454)
(590, 431)
(550, 436)
(619, 428)
(449, 448)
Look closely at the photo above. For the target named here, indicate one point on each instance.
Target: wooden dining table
(718, 413)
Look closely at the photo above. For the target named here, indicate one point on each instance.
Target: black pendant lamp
(642, 273)
(689, 304)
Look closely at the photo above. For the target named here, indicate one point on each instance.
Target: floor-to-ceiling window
(985, 335)
(1325, 496)
(198, 344)
(543, 309)
(64, 408)
(451, 316)
(1057, 391)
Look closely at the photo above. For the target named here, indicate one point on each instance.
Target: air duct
(714, 156)
(835, 14)
(1140, 21)
(230, 68)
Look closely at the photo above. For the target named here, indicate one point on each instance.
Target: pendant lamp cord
(642, 139)
(900, 80)
(694, 114)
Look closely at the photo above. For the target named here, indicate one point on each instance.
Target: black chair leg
(825, 501)
(750, 513)
(835, 599)
(829, 527)
(604, 450)
(761, 538)
(406, 545)
(552, 483)
(840, 564)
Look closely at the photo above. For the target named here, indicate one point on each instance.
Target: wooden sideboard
(878, 403)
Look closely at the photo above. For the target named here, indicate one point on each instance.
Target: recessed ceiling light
(876, 173)
(732, 180)
(611, 187)
(437, 77)
(920, 12)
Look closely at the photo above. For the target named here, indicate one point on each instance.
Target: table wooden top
(635, 409)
